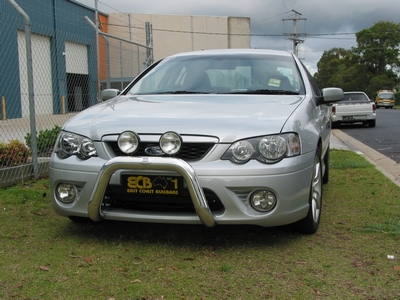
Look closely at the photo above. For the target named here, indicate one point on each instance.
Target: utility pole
(96, 16)
(149, 44)
(295, 35)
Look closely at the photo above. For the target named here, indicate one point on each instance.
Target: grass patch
(45, 256)
(348, 160)
(391, 226)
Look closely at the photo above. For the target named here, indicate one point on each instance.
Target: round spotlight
(170, 143)
(263, 200)
(66, 193)
(128, 142)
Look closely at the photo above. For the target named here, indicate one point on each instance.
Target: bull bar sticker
(152, 185)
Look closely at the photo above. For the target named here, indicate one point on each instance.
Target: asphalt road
(384, 138)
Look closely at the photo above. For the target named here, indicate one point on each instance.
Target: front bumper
(233, 184)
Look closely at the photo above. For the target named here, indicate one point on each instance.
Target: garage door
(41, 64)
(76, 58)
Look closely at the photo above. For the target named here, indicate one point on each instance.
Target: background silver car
(212, 137)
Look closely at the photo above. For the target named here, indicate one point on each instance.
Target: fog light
(66, 193)
(262, 200)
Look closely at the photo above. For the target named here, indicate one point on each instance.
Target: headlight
(272, 147)
(69, 144)
(170, 143)
(242, 151)
(266, 149)
(128, 142)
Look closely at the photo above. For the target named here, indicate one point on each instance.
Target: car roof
(233, 51)
(354, 92)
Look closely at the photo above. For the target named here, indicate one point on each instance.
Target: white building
(176, 33)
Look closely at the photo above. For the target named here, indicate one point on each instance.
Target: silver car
(213, 137)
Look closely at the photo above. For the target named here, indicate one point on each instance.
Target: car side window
(316, 90)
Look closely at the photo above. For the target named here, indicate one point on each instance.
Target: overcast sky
(328, 24)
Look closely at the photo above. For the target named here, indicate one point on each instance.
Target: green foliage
(329, 63)
(45, 140)
(369, 67)
(14, 153)
(397, 98)
(378, 47)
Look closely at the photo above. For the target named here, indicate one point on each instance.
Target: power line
(237, 34)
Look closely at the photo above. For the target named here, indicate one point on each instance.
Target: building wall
(177, 33)
(56, 21)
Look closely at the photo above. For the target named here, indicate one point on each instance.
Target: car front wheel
(310, 223)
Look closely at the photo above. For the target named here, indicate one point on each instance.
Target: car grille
(114, 198)
(189, 152)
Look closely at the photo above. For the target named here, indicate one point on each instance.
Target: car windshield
(388, 96)
(221, 74)
(359, 97)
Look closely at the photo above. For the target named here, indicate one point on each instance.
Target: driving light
(66, 193)
(263, 200)
(128, 142)
(170, 143)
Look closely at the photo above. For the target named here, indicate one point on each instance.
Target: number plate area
(153, 186)
(348, 118)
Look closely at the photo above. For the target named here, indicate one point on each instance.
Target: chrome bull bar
(150, 163)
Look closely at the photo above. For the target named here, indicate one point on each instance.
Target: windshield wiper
(182, 92)
(265, 92)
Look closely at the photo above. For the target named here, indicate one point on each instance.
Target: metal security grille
(50, 69)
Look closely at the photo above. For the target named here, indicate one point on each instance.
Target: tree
(374, 64)
(378, 48)
(328, 65)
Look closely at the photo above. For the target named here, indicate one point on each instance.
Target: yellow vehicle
(384, 98)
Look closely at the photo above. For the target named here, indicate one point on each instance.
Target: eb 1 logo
(139, 182)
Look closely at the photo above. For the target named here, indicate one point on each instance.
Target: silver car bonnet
(228, 117)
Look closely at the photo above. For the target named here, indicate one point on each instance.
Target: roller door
(41, 65)
(76, 58)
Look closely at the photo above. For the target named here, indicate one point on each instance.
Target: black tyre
(325, 178)
(80, 219)
(310, 223)
(372, 123)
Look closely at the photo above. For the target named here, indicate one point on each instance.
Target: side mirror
(330, 95)
(109, 93)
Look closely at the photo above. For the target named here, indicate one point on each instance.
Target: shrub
(14, 153)
(45, 140)
(397, 98)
